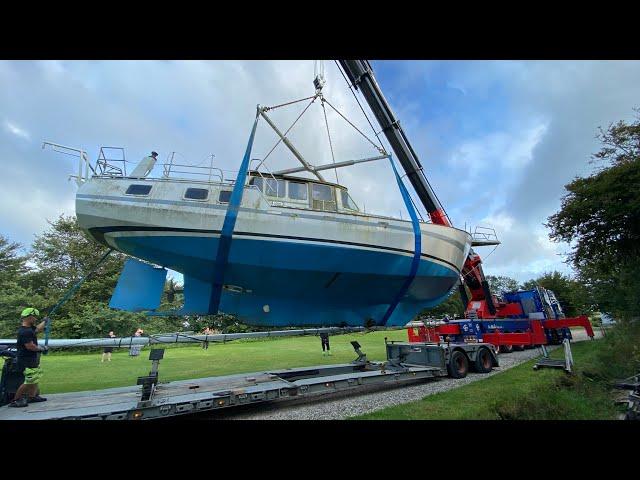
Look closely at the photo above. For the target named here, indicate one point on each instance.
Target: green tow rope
(67, 296)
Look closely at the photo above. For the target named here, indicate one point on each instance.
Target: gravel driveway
(343, 405)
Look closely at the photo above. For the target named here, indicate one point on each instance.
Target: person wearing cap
(28, 358)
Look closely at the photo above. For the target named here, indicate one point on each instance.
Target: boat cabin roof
(253, 173)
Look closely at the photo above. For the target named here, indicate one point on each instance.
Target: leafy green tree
(62, 255)
(12, 264)
(92, 320)
(600, 217)
(572, 294)
(500, 283)
(14, 294)
(452, 306)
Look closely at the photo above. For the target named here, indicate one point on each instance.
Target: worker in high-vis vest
(28, 358)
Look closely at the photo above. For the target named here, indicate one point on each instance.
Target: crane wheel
(484, 362)
(458, 366)
(506, 348)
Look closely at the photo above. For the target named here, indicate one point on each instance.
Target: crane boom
(361, 76)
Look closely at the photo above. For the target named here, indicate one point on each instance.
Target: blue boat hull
(293, 282)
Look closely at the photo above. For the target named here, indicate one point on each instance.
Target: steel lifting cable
(358, 102)
(292, 125)
(289, 103)
(380, 149)
(326, 122)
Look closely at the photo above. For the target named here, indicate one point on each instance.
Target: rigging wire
(326, 122)
(358, 101)
(289, 103)
(289, 129)
(380, 149)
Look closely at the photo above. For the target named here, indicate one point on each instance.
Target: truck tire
(458, 365)
(506, 348)
(484, 361)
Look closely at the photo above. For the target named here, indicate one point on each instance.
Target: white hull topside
(102, 207)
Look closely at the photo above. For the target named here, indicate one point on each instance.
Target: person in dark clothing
(324, 338)
(107, 350)
(28, 358)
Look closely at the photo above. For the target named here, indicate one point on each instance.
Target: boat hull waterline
(286, 266)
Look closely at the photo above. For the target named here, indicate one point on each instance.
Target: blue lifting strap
(417, 248)
(224, 246)
(68, 295)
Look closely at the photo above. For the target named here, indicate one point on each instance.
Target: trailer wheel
(458, 366)
(484, 362)
(506, 348)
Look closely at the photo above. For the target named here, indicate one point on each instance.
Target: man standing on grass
(107, 350)
(324, 338)
(28, 359)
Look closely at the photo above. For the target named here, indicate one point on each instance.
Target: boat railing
(267, 176)
(84, 164)
(109, 160)
(199, 171)
(484, 236)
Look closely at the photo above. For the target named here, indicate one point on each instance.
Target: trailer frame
(151, 399)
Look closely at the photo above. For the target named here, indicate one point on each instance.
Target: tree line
(57, 259)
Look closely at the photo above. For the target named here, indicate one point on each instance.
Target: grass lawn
(518, 393)
(83, 371)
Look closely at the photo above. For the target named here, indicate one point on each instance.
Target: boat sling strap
(68, 295)
(224, 245)
(417, 248)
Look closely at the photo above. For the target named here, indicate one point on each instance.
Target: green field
(519, 393)
(83, 371)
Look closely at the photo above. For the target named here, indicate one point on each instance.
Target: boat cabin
(296, 192)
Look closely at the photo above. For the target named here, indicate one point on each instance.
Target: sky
(498, 140)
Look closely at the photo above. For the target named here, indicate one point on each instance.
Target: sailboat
(273, 248)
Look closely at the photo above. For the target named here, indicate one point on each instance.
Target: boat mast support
(346, 163)
(307, 166)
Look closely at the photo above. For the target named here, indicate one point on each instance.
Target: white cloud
(16, 130)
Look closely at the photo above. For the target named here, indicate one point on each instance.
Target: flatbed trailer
(150, 399)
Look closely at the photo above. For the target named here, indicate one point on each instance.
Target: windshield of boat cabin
(323, 196)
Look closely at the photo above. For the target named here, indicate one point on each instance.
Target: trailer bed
(213, 393)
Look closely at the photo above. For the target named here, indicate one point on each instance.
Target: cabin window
(196, 193)
(347, 201)
(224, 196)
(322, 196)
(257, 181)
(138, 190)
(298, 191)
(274, 188)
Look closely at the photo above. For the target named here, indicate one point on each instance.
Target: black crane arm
(361, 76)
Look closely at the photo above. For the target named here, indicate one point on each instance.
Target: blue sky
(498, 139)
